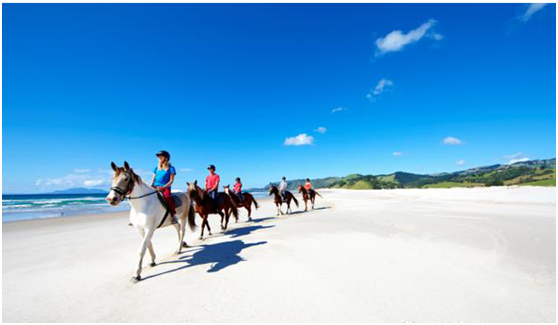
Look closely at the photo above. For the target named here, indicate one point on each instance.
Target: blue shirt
(162, 177)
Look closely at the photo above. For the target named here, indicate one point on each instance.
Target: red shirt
(211, 181)
(237, 188)
(308, 185)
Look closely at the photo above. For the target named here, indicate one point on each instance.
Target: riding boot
(174, 220)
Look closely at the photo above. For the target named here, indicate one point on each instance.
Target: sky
(270, 90)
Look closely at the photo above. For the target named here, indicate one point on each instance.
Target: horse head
(227, 189)
(272, 189)
(300, 188)
(123, 181)
(194, 191)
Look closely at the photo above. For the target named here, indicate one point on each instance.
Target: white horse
(147, 213)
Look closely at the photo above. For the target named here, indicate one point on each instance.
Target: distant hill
(540, 172)
(80, 190)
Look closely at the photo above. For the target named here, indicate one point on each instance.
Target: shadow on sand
(218, 256)
(238, 232)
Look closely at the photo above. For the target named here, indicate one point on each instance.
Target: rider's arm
(152, 180)
(169, 183)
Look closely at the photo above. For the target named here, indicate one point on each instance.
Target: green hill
(529, 173)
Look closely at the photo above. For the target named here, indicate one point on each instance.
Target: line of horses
(147, 214)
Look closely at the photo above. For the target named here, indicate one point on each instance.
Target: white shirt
(282, 186)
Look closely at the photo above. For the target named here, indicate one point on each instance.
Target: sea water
(35, 206)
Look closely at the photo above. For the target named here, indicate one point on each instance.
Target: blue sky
(267, 90)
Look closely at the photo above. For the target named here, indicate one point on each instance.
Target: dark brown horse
(308, 195)
(279, 200)
(205, 206)
(246, 202)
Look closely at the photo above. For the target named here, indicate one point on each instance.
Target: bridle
(124, 194)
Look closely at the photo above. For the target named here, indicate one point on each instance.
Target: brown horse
(247, 200)
(205, 206)
(279, 200)
(308, 195)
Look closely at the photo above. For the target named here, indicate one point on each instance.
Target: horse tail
(318, 194)
(255, 203)
(295, 200)
(192, 217)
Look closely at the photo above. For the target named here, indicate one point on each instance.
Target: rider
(237, 189)
(283, 188)
(212, 182)
(308, 185)
(163, 177)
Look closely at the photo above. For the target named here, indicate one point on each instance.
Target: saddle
(177, 203)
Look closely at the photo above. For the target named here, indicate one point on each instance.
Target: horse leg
(306, 205)
(180, 232)
(227, 217)
(145, 244)
(222, 219)
(249, 208)
(204, 221)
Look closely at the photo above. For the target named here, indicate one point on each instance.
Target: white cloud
(80, 171)
(94, 182)
(516, 157)
(338, 109)
(397, 153)
(382, 86)
(531, 9)
(460, 162)
(321, 130)
(452, 141)
(397, 40)
(186, 170)
(300, 140)
(73, 180)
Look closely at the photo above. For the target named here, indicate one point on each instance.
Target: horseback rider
(163, 177)
(237, 189)
(283, 188)
(308, 185)
(212, 182)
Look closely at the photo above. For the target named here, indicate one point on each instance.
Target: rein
(129, 189)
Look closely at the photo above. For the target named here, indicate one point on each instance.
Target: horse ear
(126, 166)
(196, 182)
(113, 165)
(188, 183)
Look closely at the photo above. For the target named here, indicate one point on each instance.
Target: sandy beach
(437, 255)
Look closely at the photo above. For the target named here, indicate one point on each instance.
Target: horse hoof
(200, 238)
(153, 264)
(135, 279)
(177, 253)
(184, 245)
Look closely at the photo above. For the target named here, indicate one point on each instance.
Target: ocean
(36, 206)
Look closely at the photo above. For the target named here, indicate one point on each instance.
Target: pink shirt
(237, 188)
(211, 181)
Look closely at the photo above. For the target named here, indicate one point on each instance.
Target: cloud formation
(321, 130)
(452, 141)
(397, 153)
(338, 109)
(460, 162)
(531, 9)
(302, 139)
(186, 170)
(516, 157)
(382, 86)
(397, 40)
(73, 180)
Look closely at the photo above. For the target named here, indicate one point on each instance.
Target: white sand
(450, 255)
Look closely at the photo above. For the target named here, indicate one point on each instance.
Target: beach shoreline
(442, 255)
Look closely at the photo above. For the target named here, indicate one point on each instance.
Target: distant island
(533, 172)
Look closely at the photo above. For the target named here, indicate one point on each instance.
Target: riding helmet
(163, 153)
(211, 167)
